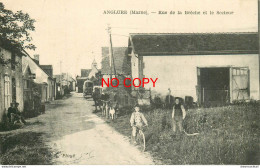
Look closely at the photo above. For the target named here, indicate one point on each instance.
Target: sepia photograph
(107, 82)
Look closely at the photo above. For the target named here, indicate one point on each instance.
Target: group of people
(138, 119)
(14, 115)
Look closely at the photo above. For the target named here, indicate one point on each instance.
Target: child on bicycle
(137, 120)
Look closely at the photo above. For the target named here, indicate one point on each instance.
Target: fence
(125, 98)
(142, 96)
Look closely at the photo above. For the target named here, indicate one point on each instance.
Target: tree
(15, 29)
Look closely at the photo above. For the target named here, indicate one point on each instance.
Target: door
(240, 89)
(198, 87)
(13, 90)
(213, 85)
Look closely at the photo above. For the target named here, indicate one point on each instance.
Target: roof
(41, 75)
(47, 69)
(26, 68)
(81, 78)
(46, 66)
(85, 72)
(33, 65)
(121, 58)
(194, 43)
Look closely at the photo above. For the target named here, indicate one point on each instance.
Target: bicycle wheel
(141, 140)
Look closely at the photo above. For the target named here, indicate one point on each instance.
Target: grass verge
(26, 148)
(227, 135)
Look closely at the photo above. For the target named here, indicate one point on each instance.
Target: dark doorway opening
(13, 90)
(215, 86)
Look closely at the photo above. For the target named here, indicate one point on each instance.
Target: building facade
(47, 83)
(221, 67)
(11, 82)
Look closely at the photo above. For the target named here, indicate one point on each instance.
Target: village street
(77, 136)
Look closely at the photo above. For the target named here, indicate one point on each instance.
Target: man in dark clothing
(178, 115)
(169, 100)
(14, 114)
(97, 98)
(11, 110)
(104, 96)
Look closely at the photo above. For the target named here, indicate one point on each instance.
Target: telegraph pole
(111, 53)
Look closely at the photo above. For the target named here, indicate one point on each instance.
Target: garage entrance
(222, 85)
(215, 86)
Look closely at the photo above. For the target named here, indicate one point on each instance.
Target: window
(240, 71)
(7, 94)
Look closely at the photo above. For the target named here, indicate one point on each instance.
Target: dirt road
(80, 137)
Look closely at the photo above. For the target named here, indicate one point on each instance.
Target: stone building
(11, 81)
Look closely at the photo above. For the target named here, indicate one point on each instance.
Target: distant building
(121, 66)
(80, 81)
(94, 70)
(59, 86)
(121, 59)
(63, 81)
(87, 74)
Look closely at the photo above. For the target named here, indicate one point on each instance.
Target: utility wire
(124, 28)
(120, 35)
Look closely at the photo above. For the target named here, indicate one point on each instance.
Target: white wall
(41, 77)
(179, 72)
(17, 74)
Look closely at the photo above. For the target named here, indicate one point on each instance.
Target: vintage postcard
(107, 82)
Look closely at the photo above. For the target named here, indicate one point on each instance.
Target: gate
(143, 96)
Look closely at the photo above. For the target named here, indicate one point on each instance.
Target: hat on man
(14, 103)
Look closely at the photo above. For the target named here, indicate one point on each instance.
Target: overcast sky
(73, 31)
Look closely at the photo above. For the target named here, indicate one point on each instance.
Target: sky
(70, 33)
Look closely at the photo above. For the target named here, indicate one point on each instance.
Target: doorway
(214, 86)
(13, 90)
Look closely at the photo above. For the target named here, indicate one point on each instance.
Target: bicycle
(140, 138)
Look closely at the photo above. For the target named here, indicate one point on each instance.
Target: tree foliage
(15, 28)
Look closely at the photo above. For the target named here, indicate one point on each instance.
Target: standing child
(178, 115)
(137, 120)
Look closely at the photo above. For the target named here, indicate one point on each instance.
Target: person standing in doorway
(178, 115)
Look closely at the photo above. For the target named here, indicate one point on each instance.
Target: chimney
(37, 58)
